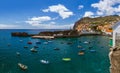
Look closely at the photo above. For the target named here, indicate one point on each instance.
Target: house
(116, 34)
(108, 31)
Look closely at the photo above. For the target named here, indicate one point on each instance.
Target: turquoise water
(97, 62)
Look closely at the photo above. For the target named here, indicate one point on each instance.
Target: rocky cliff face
(94, 23)
(114, 56)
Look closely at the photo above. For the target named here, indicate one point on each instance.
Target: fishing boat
(29, 42)
(22, 66)
(44, 61)
(81, 53)
(66, 59)
(33, 50)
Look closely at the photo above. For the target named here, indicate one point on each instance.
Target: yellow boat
(81, 53)
(66, 59)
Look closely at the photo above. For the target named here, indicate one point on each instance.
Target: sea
(94, 59)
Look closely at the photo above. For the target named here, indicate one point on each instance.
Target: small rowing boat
(22, 66)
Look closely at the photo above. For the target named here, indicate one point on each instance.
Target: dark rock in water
(22, 34)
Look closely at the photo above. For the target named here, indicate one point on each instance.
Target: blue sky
(52, 14)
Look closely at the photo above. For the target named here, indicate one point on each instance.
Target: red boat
(29, 42)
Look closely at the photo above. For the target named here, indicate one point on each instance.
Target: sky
(52, 14)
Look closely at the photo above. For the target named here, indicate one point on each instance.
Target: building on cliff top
(116, 34)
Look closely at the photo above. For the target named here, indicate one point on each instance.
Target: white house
(116, 34)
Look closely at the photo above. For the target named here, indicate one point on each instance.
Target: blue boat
(92, 51)
(82, 49)
(38, 42)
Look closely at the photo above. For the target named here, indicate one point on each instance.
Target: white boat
(44, 61)
(45, 42)
(86, 42)
(18, 53)
(22, 66)
(33, 50)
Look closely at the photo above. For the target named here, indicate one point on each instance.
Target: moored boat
(92, 50)
(36, 47)
(22, 66)
(66, 59)
(81, 53)
(38, 42)
(44, 61)
(33, 50)
(29, 42)
(18, 53)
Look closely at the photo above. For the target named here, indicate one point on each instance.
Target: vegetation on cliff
(96, 24)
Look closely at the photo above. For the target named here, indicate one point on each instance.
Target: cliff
(97, 24)
(114, 56)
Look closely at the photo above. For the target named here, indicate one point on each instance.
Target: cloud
(88, 14)
(55, 26)
(36, 21)
(80, 6)
(46, 22)
(60, 9)
(8, 26)
(107, 7)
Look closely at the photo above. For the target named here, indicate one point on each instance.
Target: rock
(114, 57)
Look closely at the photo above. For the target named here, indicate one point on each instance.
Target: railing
(117, 39)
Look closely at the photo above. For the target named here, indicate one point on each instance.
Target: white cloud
(46, 22)
(80, 6)
(36, 21)
(8, 26)
(88, 14)
(107, 7)
(55, 26)
(60, 9)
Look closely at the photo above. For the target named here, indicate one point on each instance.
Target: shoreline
(36, 36)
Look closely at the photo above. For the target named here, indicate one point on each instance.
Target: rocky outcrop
(114, 56)
(20, 34)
